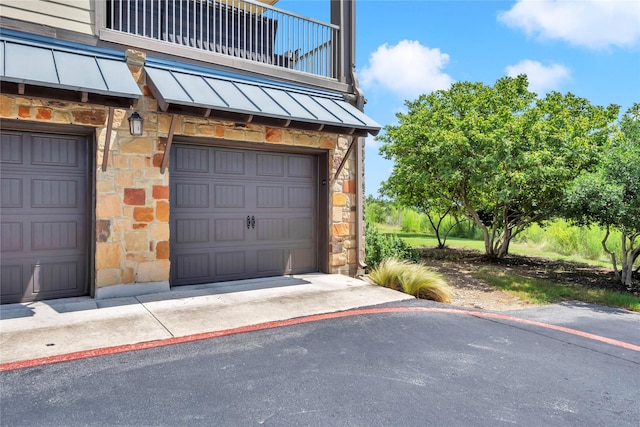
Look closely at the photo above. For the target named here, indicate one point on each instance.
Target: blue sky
(590, 48)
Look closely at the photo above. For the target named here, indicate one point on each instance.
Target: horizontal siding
(73, 15)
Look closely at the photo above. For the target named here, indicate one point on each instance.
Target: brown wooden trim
(162, 103)
(107, 140)
(324, 214)
(344, 160)
(45, 127)
(167, 148)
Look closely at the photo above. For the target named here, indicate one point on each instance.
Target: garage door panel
(192, 195)
(12, 237)
(191, 159)
(300, 167)
(54, 235)
(12, 195)
(55, 151)
(229, 196)
(300, 197)
(300, 229)
(270, 165)
(271, 262)
(270, 197)
(57, 193)
(191, 230)
(270, 229)
(11, 149)
(45, 241)
(190, 267)
(231, 263)
(302, 259)
(249, 232)
(56, 276)
(230, 230)
(12, 281)
(229, 162)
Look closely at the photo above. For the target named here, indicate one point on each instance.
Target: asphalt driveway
(409, 363)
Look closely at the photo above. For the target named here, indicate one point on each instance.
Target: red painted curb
(269, 325)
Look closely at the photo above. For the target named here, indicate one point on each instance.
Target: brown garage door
(238, 214)
(44, 213)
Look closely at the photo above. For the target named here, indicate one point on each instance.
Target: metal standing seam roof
(50, 66)
(187, 88)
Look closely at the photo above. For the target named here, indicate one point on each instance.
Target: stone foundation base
(117, 291)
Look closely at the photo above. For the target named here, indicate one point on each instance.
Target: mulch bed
(448, 260)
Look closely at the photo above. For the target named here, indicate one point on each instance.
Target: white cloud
(595, 24)
(542, 78)
(407, 69)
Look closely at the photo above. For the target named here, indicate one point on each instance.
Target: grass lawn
(538, 291)
(534, 290)
(419, 240)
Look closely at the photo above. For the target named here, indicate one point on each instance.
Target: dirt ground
(457, 266)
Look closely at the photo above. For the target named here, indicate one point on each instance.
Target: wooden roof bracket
(344, 159)
(107, 140)
(167, 148)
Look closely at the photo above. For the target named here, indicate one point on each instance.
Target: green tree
(375, 210)
(498, 152)
(610, 196)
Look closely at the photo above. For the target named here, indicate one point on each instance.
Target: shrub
(567, 239)
(534, 234)
(465, 229)
(412, 221)
(411, 278)
(380, 246)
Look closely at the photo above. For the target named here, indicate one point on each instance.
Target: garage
(238, 214)
(45, 212)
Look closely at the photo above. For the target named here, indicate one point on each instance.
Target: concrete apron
(55, 327)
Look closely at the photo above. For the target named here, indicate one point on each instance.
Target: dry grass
(411, 278)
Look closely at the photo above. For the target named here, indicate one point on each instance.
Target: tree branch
(611, 253)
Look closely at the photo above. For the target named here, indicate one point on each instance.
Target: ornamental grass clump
(411, 278)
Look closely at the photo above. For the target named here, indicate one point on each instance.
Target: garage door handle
(248, 222)
(253, 221)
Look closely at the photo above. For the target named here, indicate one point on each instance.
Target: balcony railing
(244, 29)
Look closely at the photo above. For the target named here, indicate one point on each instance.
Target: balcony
(246, 29)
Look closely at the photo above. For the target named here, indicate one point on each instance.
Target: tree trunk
(488, 241)
(503, 250)
(611, 253)
(629, 256)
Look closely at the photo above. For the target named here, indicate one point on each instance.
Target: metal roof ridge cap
(215, 91)
(349, 112)
(186, 92)
(104, 79)
(323, 107)
(276, 102)
(303, 107)
(55, 65)
(247, 96)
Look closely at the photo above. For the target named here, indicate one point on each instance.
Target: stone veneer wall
(132, 196)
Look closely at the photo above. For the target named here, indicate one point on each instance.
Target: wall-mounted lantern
(135, 123)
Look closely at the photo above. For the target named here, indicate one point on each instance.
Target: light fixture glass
(135, 123)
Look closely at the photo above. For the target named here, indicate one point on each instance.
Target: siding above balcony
(52, 67)
(254, 100)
